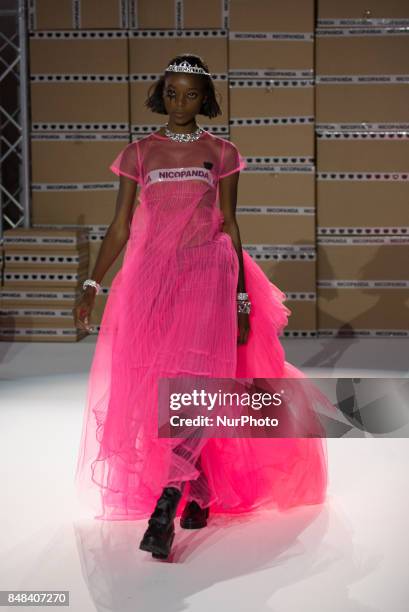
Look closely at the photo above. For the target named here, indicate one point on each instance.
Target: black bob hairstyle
(210, 107)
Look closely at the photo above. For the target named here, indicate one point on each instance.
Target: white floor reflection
(349, 555)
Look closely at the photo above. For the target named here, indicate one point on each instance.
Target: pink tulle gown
(172, 312)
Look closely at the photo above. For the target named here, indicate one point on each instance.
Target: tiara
(186, 67)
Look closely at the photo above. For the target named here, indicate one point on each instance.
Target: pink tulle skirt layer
(177, 317)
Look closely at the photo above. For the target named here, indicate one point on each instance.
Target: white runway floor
(349, 555)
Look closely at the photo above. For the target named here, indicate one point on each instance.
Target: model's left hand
(244, 327)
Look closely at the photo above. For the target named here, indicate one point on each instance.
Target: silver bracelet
(92, 283)
(244, 307)
(242, 296)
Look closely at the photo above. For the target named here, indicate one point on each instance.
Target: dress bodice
(157, 159)
(179, 185)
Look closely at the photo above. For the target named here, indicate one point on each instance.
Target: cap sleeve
(231, 160)
(127, 162)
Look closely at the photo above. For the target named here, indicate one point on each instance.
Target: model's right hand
(83, 308)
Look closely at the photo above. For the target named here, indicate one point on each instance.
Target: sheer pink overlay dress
(171, 312)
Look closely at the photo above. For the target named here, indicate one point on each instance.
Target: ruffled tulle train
(123, 465)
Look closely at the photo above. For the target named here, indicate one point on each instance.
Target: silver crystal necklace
(180, 137)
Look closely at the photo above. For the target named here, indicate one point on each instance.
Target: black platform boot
(159, 536)
(193, 516)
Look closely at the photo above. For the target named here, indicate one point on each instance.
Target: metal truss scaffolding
(14, 118)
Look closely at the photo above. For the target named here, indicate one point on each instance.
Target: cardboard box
(41, 334)
(56, 86)
(363, 286)
(264, 54)
(369, 262)
(362, 185)
(374, 154)
(362, 51)
(368, 312)
(179, 14)
(276, 186)
(23, 316)
(103, 52)
(45, 259)
(351, 12)
(273, 119)
(74, 207)
(47, 278)
(80, 159)
(290, 141)
(343, 106)
(278, 229)
(90, 66)
(104, 106)
(364, 85)
(44, 15)
(287, 100)
(151, 50)
(303, 316)
(72, 182)
(293, 273)
(43, 275)
(267, 16)
(87, 228)
(46, 239)
(44, 298)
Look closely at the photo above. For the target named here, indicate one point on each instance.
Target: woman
(188, 301)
